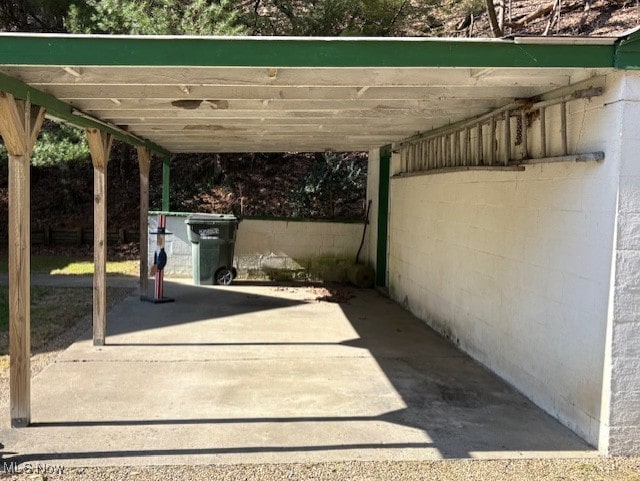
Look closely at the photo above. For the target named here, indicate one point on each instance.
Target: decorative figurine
(159, 263)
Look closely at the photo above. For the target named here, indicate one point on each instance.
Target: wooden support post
(144, 162)
(100, 147)
(19, 125)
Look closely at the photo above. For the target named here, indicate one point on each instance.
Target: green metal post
(383, 215)
(166, 171)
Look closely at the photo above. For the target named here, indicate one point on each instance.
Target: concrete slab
(248, 374)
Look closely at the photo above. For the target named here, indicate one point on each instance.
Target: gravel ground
(56, 346)
(533, 470)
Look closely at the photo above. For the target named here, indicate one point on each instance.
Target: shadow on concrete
(208, 451)
(194, 304)
(462, 408)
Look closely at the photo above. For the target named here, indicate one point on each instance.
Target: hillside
(468, 18)
(292, 184)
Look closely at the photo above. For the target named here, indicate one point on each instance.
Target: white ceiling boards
(185, 94)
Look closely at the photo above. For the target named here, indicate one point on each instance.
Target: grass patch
(73, 266)
(58, 316)
(85, 268)
(53, 309)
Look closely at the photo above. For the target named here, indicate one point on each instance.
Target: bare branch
(553, 17)
(542, 11)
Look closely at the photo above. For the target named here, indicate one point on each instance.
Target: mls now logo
(29, 468)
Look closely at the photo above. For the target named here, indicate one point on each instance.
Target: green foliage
(330, 183)
(153, 17)
(331, 17)
(60, 144)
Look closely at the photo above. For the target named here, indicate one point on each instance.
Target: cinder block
(627, 275)
(626, 305)
(624, 405)
(629, 194)
(624, 440)
(629, 231)
(625, 352)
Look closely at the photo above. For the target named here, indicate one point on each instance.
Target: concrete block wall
(514, 267)
(622, 362)
(283, 245)
(270, 244)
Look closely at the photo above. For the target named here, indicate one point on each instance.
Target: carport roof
(229, 94)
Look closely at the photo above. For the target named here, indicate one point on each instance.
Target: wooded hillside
(311, 185)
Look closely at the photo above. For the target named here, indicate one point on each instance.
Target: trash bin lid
(210, 218)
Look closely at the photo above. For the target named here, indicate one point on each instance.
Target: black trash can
(213, 238)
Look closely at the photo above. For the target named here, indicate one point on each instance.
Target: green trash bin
(212, 238)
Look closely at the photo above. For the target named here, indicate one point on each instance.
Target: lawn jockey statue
(159, 262)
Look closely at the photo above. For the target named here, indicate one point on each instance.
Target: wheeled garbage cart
(212, 238)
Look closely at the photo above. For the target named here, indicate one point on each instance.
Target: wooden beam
(326, 77)
(100, 147)
(149, 104)
(144, 162)
(266, 92)
(20, 124)
(63, 111)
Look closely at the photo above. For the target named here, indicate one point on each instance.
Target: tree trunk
(493, 19)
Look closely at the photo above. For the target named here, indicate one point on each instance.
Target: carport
(463, 108)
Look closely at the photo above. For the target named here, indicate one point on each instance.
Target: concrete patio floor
(258, 373)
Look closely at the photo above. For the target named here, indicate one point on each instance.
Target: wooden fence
(78, 236)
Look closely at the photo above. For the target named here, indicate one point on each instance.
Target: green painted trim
(302, 219)
(627, 55)
(79, 50)
(166, 173)
(63, 111)
(383, 215)
(268, 218)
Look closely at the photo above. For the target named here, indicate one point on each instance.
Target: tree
(33, 15)
(58, 144)
(332, 182)
(154, 17)
(331, 17)
(496, 21)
